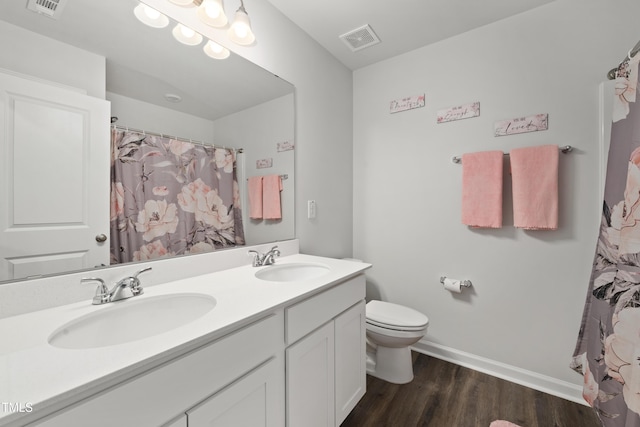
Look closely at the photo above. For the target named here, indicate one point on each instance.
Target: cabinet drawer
(153, 398)
(312, 313)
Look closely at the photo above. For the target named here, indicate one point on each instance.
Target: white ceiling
(401, 25)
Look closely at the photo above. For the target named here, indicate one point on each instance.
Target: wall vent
(49, 8)
(360, 38)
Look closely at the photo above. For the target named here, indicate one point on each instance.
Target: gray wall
(524, 310)
(258, 130)
(25, 52)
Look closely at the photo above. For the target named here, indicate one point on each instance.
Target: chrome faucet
(128, 287)
(264, 259)
(270, 257)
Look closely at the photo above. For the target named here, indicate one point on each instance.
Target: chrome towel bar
(566, 149)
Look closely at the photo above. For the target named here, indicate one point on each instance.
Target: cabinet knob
(101, 238)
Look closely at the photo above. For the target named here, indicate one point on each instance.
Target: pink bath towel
(271, 188)
(534, 172)
(255, 197)
(482, 189)
(502, 423)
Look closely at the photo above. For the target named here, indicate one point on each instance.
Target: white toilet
(391, 329)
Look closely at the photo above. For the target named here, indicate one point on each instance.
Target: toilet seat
(394, 317)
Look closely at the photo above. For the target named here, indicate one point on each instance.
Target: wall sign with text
(264, 163)
(534, 123)
(405, 104)
(284, 146)
(460, 112)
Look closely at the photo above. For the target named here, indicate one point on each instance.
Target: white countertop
(45, 377)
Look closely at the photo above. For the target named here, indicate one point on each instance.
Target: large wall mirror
(229, 103)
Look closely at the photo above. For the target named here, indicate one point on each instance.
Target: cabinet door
(350, 362)
(252, 401)
(310, 380)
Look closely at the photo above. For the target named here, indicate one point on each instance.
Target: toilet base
(393, 365)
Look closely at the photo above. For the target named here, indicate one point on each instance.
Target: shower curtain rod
(566, 149)
(611, 75)
(162, 135)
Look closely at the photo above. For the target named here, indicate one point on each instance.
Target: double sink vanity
(273, 345)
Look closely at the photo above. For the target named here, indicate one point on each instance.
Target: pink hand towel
(255, 197)
(482, 189)
(502, 423)
(271, 188)
(534, 175)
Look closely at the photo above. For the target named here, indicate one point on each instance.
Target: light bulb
(149, 16)
(187, 32)
(211, 12)
(240, 31)
(215, 51)
(151, 13)
(186, 35)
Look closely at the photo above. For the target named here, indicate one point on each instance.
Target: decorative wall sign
(264, 163)
(465, 111)
(405, 104)
(284, 146)
(521, 125)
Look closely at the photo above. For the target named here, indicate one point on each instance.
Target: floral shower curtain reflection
(171, 197)
(608, 348)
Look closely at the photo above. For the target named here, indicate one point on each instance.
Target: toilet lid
(389, 315)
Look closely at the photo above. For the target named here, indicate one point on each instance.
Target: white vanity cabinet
(296, 365)
(326, 357)
(232, 373)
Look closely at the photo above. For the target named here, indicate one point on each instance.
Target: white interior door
(54, 191)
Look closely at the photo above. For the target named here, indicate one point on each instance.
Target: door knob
(101, 238)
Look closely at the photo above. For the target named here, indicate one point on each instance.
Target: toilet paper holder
(464, 283)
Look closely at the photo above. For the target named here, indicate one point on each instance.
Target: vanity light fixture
(182, 2)
(240, 31)
(149, 16)
(211, 12)
(215, 51)
(186, 35)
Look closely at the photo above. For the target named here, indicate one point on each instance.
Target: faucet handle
(136, 288)
(141, 271)
(102, 292)
(257, 258)
(270, 257)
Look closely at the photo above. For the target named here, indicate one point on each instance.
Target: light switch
(311, 209)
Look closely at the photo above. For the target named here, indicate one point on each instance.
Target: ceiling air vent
(49, 8)
(360, 38)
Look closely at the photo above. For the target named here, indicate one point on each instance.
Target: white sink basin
(292, 272)
(132, 319)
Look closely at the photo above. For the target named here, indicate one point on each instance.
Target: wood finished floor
(446, 395)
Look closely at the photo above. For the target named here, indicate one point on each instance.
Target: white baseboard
(543, 383)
